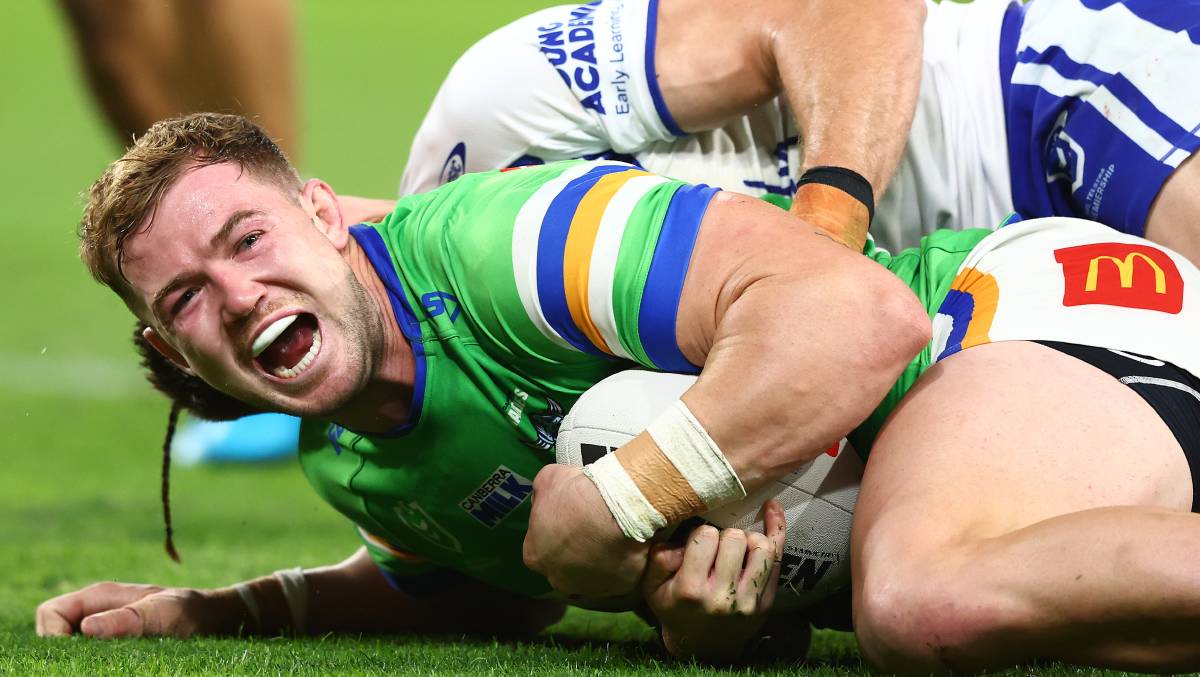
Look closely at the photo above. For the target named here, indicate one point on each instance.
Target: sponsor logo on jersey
(455, 165)
(413, 516)
(570, 47)
(515, 408)
(497, 497)
(969, 308)
(803, 570)
(439, 302)
(1120, 274)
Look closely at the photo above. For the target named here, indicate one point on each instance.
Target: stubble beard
(360, 325)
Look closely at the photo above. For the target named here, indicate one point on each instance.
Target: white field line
(92, 378)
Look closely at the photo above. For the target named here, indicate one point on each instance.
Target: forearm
(354, 597)
(351, 596)
(851, 72)
(807, 342)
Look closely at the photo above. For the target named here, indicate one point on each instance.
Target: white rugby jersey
(578, 81)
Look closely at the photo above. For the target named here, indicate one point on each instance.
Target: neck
(386, 400)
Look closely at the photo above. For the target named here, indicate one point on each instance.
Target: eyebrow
(214, 243)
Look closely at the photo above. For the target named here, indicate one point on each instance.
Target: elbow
(912, 328)
(899, 326)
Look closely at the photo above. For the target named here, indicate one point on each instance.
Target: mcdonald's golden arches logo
(1120, 274)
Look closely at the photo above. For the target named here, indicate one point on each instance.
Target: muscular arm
(850, 72)
(348, 597)
(799, 337)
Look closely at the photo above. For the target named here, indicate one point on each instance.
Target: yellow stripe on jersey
(577, 256)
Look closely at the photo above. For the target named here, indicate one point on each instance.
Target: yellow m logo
(1125, 269)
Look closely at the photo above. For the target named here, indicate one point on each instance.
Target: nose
(240, 292)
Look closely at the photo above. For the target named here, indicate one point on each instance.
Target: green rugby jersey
(518, 291)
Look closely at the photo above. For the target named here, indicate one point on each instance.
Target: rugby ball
(818, 497)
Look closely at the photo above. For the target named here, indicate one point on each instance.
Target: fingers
(699, 554)
(123, 622)
(63, 615)
(772, 589)
(665, 561)
(775, 526)
(755, 576)
(731, 553)
(175, 612)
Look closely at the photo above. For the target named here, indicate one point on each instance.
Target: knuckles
(733, 535)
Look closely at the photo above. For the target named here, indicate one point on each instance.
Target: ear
(165, 349)
(326, 212)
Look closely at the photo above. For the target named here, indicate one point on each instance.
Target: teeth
(302, 365)
(271, 333)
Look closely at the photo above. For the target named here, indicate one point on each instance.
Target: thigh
(1004, 435)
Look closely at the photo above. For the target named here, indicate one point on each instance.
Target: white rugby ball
(818, 498)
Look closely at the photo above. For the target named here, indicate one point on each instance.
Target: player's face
(248, 287)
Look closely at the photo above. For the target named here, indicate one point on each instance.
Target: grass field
(79, 483)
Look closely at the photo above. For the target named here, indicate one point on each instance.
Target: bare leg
(985, 533)
(1174, 218)
(148, 59)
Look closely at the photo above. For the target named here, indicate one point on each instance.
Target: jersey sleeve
(575, 81)
(599, 257)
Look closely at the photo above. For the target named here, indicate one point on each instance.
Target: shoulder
(501, 99)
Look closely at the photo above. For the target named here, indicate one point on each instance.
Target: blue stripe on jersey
(551, 248)
(381, 260)
(1010, 37)
(660, 105)
(1066, 156)
(664, 282)
(1128, 94)
(1175, 15)
(1125, 91)
(1060, 61)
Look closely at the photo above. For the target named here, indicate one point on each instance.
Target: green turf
(79, 479)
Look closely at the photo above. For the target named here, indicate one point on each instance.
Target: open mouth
(287, 347)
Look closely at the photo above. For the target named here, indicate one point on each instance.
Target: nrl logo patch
(455, 165)
(497, 497)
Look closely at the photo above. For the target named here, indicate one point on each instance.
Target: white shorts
(1074, 281)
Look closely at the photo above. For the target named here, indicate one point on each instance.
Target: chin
(325, 398)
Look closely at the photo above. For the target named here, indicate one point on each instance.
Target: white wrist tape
(635, 515)
(295, 591)
(696, 456)
(251, 603)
